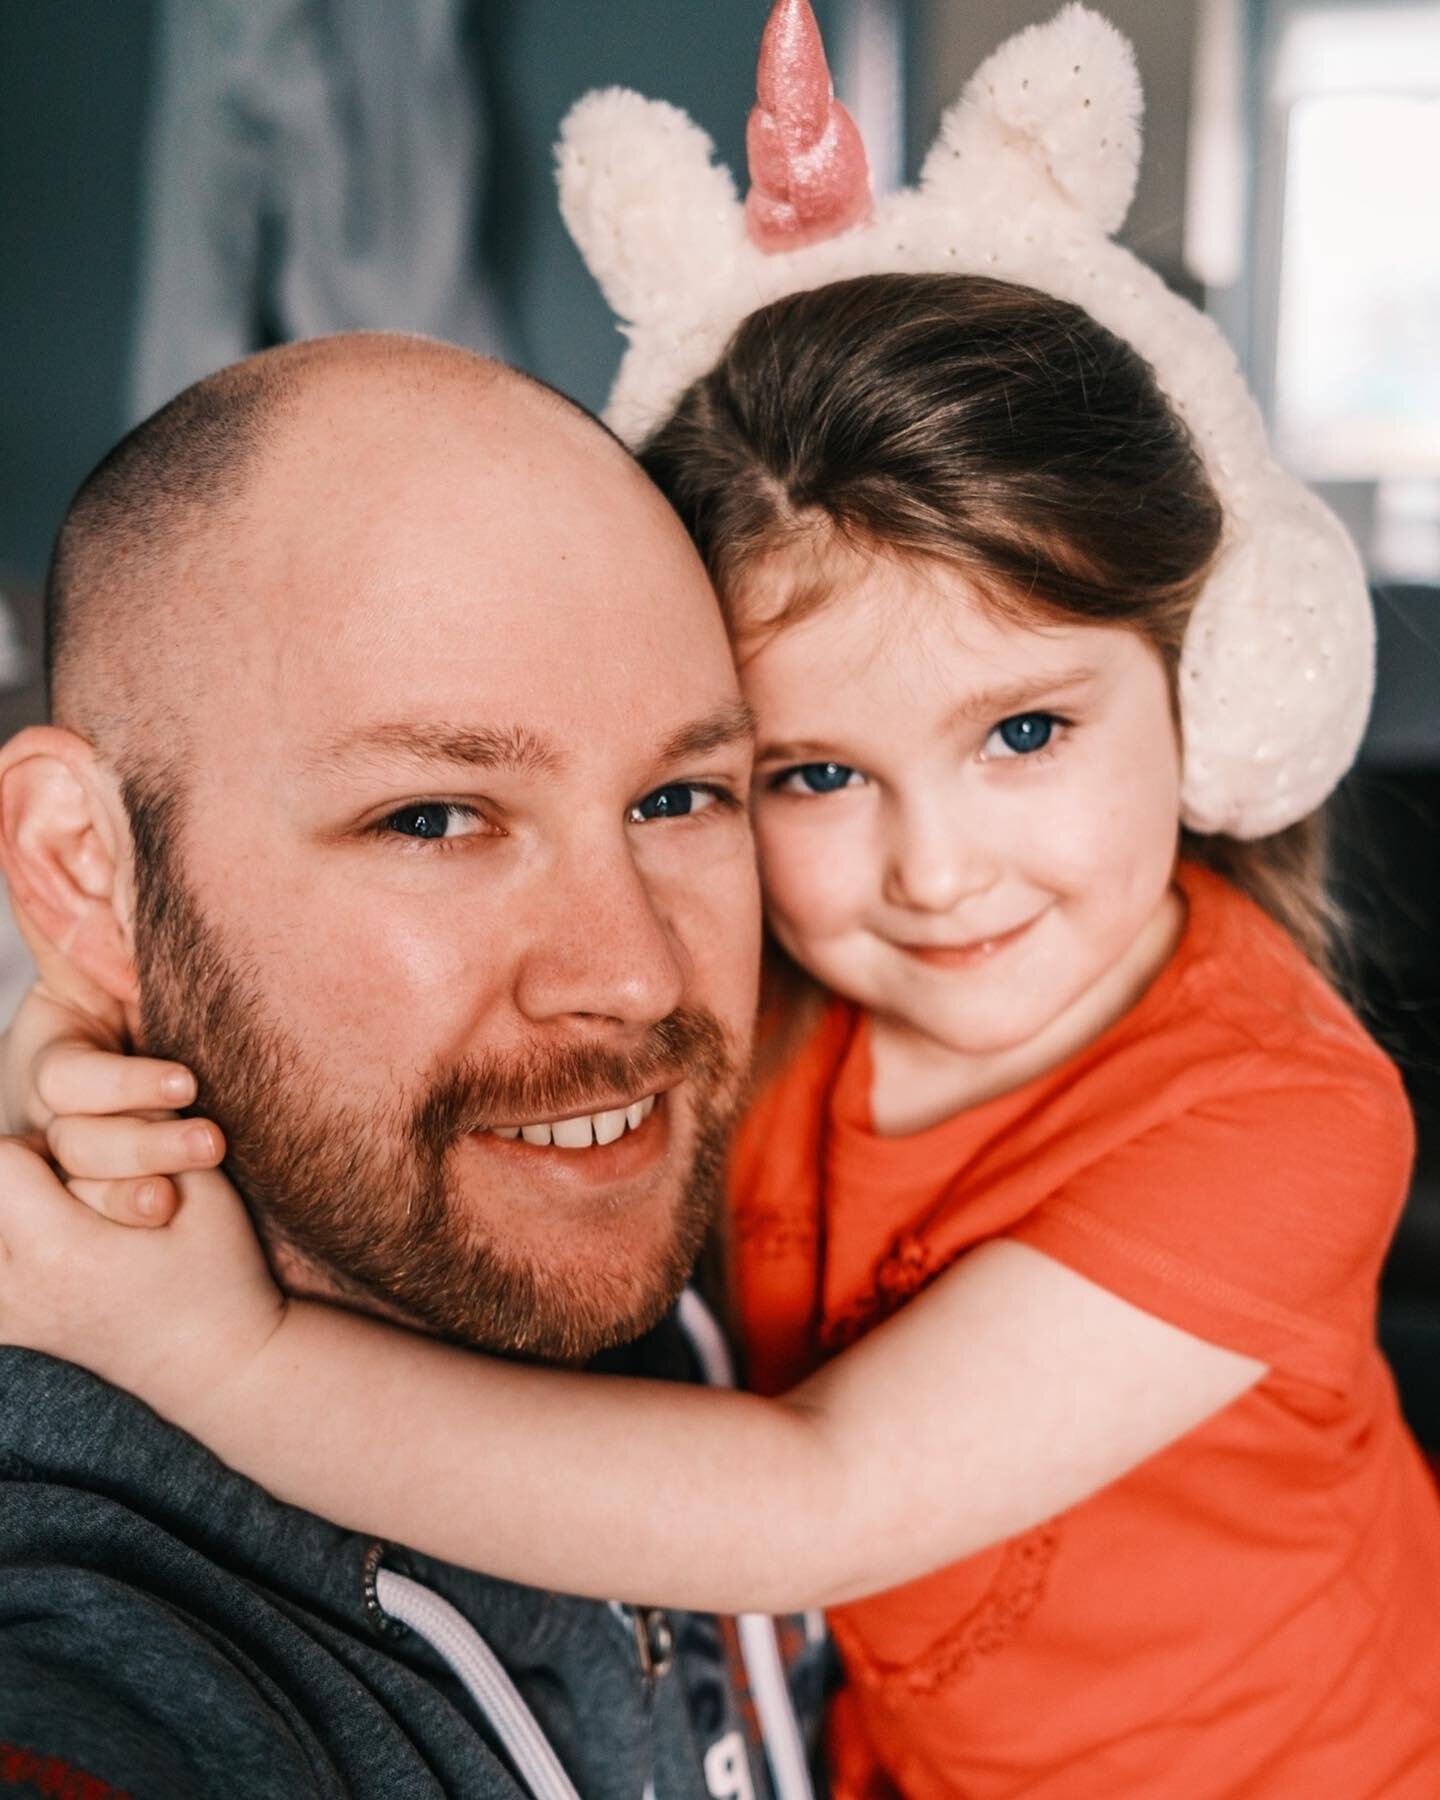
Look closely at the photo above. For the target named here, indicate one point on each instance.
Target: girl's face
(966, 824)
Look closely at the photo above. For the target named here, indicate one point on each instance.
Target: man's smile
(587, 1157)
(580, 1130)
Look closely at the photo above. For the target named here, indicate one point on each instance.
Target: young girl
(1059, 1210)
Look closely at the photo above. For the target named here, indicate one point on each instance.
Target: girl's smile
(965, 956)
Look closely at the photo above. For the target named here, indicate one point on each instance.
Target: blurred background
(182, 181)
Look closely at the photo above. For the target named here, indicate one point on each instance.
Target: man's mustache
(554, 1082)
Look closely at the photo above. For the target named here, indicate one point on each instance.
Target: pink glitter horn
(808, 173)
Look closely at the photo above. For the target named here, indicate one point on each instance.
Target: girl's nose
(935, 862)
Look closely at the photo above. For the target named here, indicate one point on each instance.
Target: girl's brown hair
(955, 419)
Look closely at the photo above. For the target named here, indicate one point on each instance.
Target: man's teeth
(581, 1133)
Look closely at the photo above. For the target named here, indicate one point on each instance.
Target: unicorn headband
(1032, 172)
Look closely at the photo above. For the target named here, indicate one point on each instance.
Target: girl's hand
(66, 1077)
(173, 1316)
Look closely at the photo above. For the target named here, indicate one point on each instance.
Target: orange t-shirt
(1255, 1611)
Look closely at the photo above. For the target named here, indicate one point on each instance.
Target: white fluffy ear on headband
(1033, 171)
(657, 221)
(1059, 103)
(1277, 667)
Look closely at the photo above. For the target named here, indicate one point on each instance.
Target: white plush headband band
(1034, 168)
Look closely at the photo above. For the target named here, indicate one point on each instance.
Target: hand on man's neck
(64, 1002)
(65, 984)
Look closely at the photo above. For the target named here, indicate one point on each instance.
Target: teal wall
(72, 108)
(551, 51)
(71, 120)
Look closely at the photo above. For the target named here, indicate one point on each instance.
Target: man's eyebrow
(732, 724)
(510, 747)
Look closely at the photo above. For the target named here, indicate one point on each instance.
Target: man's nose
(936, 855)
(598, 946)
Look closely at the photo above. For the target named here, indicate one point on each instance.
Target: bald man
(396, 785)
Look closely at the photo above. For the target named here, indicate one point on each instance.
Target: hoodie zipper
(654, 1645)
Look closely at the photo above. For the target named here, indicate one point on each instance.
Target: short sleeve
(1257, 1218)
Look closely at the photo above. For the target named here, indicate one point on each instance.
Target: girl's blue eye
(1022, 735)
(818, 778)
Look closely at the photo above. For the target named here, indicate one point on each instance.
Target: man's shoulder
(186, 1635)
(135, 1659)
(77, 1718)
(158, 1613)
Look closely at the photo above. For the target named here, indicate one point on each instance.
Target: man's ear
(64, 851)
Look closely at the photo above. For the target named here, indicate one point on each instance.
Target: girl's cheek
(1051, 826)
(1107, 854)
(1078, 839)
(814, 883)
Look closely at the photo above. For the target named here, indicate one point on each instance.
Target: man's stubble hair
(367, 1200)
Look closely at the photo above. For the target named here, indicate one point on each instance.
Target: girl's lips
(965, 956)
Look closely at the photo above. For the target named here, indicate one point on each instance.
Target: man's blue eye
(1025, 732)
(427, 821)
(678, 801)
(666, 803)
(435, 821)
(818, 778)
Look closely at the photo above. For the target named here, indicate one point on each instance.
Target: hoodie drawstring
(759, 1646)
(478, 1669)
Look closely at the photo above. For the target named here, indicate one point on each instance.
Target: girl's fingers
(103, 1149)
(75, 1077)
(151, 1201)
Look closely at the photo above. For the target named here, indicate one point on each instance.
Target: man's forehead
(418, 585)
(446, 511)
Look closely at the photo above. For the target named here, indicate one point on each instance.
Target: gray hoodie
(168, 1630)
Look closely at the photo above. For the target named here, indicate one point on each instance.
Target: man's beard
(367, 1197)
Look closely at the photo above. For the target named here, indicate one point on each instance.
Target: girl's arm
(1011, 1389)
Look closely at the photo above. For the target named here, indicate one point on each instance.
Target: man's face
(461, 855)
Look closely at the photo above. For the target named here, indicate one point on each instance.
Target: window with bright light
(1355, 114)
